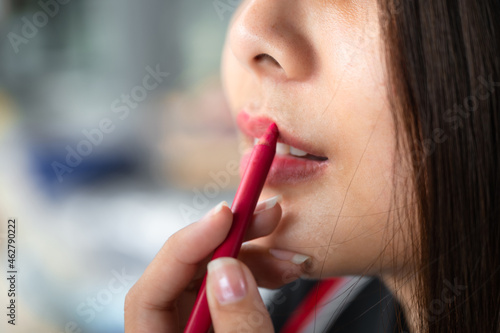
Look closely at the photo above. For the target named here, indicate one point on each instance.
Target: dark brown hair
(444, 67)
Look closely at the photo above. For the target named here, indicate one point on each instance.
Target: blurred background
(114, 133)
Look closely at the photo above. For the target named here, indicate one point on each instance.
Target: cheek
(236, 81)
(362, 197)
(227, 74)
(367, 165)
(344, 221)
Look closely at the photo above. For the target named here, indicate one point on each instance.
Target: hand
(162, 298)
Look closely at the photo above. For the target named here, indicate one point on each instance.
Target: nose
(269, 39)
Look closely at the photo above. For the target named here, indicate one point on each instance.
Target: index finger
(176, 263)
(151, 303)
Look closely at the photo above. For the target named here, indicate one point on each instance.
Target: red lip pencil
(243, 207)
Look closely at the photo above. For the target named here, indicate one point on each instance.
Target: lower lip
(287, 169)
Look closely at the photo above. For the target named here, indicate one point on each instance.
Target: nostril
(264, 58)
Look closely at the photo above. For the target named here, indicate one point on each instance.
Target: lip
(286, 169)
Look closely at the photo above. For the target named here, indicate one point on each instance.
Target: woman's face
(316, 68)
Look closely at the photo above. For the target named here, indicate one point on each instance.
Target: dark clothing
(363, 305)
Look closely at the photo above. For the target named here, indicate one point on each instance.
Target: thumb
(234, 300)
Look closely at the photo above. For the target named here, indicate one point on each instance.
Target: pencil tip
(270, 137)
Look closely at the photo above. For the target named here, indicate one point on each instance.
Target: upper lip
(255, 126)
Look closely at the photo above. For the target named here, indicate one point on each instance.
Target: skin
(322, 77)
(327, 86)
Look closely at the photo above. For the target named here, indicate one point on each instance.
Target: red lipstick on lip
(252, 126)
(286, 169)
(243, 207)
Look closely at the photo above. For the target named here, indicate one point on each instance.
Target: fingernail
(219, 207)
(268, 204)
(295, 258)
(229, 280)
